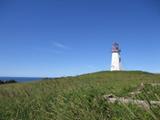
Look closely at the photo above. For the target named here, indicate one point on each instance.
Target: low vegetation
(7, 81)
(80, 98)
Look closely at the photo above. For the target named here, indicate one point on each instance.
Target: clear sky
(71, 37)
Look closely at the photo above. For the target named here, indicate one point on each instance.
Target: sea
(21, 79)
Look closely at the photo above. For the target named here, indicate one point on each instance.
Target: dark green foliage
(7, 81)
(78, 98)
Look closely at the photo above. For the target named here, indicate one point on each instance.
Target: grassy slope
(75, 98)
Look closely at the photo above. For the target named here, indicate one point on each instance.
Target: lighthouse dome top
(115, 47)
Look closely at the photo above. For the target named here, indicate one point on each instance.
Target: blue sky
(71, 37)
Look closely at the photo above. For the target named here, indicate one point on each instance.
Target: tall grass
(76, 98)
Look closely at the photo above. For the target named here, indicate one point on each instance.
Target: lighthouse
(116, 58)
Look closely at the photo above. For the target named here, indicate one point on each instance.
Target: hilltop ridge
(79, 97)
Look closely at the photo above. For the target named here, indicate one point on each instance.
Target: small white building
(116, 58)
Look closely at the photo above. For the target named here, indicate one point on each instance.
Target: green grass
(150, 93)
(78, 98)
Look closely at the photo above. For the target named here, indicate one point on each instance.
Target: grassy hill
(80, 98)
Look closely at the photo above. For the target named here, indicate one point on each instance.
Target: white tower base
(115, 65)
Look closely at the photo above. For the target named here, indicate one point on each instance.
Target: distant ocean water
(21, 79)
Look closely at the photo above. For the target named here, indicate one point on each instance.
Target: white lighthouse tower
(116, 58)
